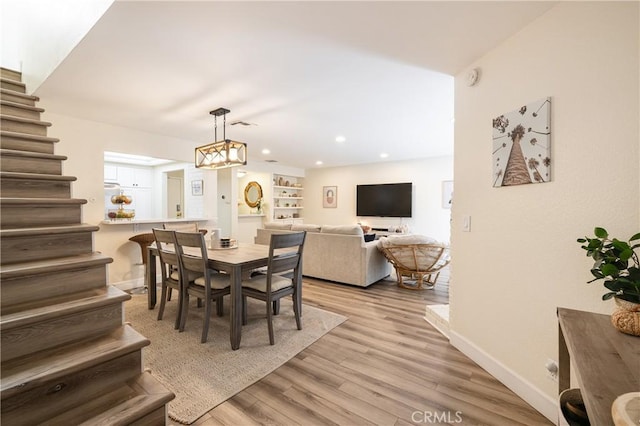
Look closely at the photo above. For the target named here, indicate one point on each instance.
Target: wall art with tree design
(522, 145)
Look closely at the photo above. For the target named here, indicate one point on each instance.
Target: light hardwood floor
(385, 365)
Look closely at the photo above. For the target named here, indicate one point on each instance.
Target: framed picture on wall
(329, 197)
(522, 145)
(197, 187)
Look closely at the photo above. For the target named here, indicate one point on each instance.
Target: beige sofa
(335, 253)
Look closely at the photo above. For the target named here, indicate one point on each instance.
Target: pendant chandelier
(224, 153)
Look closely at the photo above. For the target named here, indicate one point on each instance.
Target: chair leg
(185, 311)
(169, 294)
(296, 311)
(270, 323)
(205, 322)
(176, 326)
(163, 299)
(276, 307)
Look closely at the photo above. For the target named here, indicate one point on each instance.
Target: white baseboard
(129, 284)
(438, 317)
(547, 406)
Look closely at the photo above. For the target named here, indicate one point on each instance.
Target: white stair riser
(17, 111)
(11, 163)
(10, 125)
(23, 144)
(12, 85)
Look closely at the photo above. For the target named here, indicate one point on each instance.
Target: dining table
(235, 261)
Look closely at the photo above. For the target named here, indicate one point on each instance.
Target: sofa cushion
(305, 227)
(342, 229)
(277, 225)
(394, 240)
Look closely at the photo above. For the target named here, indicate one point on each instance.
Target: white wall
(521, 260)
(427, 175)
(38, 34)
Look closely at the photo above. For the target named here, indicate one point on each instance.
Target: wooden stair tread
(28, 136)
(20, 94)
(16, 82)
(53, 265)
(37, 176)
(30, 154)
(47, 230)
(122, 406)
(22, 106)
(21, 374)
(25, 120)
(30, 315)
(43, 201)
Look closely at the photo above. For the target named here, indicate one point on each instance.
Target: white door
(175, 197)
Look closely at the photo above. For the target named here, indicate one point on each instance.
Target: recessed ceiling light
(340, 139)
(384, 155)
(319, 163)
(266, 151)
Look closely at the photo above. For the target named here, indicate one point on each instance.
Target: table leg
(236, 307)
(150, 278)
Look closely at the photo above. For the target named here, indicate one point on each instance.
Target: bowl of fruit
(116, 214)
(121, 199)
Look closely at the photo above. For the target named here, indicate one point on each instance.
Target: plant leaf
(626, 254)
(635, 237)
(600, 232)
(621, 245)
(609, 269)
(608, 296)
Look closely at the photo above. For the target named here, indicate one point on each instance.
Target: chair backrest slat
(196, 261)
(165, 242)
(290, 260)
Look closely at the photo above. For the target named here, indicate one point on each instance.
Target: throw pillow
(369, 237)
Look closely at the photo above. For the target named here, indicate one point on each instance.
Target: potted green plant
(618, 265)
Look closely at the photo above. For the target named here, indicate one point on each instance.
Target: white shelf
(291, 193)
(287, 187)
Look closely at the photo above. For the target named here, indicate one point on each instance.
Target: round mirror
(252, 194)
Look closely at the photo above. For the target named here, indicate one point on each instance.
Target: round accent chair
(415, 257)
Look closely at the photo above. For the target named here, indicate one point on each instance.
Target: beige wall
(429, 218)
(521, 260)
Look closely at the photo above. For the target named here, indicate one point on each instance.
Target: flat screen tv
(384, 200)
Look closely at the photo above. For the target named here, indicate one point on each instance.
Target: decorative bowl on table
(224, 243)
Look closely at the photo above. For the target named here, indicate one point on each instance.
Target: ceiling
(301, 73)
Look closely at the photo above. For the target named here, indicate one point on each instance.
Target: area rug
(203, 375)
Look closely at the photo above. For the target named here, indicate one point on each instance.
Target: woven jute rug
(203, 375)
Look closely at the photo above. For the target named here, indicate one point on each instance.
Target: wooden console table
(606, 362)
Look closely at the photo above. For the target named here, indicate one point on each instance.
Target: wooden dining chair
(210, 286)
(169, 269)
(283, 278)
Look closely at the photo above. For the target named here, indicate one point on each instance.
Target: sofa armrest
(376, 265)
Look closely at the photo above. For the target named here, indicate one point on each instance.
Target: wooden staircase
(67, 358)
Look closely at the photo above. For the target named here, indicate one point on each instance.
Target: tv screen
(384, 200)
